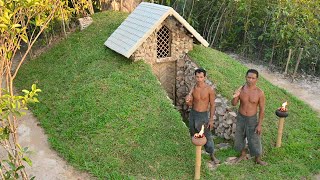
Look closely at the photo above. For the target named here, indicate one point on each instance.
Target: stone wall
(181, 43)
(224, 118)
(119, 5)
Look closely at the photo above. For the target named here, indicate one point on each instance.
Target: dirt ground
(46, 162)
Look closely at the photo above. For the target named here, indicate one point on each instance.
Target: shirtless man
(199, 98)
(248, 126)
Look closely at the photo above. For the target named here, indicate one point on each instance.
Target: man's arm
(189, 98)
(212, 97)
(236, 96)
(262, 101)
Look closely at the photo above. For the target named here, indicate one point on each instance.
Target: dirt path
(47, 165)
(46, 162)
(305, 88)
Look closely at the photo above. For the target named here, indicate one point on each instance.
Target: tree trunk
(91, 10)
(271, 59)
(215, 34)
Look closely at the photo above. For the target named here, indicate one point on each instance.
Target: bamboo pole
(280, 131)
(297, 65)
(288, 60)
(198, 163)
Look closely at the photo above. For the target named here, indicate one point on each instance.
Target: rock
(180, 63)
(85, 22)
(229, 121)
(234, 126)
(218, 101)
(223, 146)
(180, 73)
(226, 136)
(233, 114)
(220, 110)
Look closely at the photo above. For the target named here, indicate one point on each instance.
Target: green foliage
(260, 29)
(13, 107)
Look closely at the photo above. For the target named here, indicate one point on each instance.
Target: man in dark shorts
(199, 98)
(248, 125)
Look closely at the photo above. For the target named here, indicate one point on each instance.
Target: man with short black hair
(248, 124)
(199, 98)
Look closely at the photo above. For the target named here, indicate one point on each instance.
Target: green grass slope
(110, 117)
(105, 114)
(299, 155)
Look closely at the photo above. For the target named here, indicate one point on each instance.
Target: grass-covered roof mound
(110, 117)
(105, 114)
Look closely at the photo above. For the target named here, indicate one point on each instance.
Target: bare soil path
(47, 164)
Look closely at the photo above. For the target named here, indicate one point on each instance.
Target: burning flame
(202, 130)
(283, 107)
(200, 134)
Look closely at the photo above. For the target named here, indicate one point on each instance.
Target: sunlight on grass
(299, 155)
(110, 117)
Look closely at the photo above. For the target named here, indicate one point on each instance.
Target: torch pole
(198, 163)
(280, 130)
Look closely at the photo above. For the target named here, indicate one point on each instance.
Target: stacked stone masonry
(181, 43)
(224, 118)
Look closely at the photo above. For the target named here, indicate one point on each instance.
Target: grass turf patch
(109, 116)
(105, 114)
(299, 155)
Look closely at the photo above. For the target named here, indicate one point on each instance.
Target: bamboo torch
(282, 114)
(198, 140)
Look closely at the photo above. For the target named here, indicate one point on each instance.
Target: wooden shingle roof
(140, 24)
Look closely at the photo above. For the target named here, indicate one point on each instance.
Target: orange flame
(202, 131)
(200, 134)
(284, 105)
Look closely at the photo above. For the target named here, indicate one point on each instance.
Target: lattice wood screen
(163, 42)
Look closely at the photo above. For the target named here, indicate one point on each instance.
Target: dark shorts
(245, 128)
(196, 120)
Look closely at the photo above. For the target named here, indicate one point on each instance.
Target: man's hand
(258, 129)
(188, 98)
(210, 124)
(237, 92)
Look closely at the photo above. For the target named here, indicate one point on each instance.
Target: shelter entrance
(166, 74)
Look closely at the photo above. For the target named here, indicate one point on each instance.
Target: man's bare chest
(201, 94)
(251, 97)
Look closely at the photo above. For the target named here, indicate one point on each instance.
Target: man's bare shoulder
(261, 93)
(210, 88)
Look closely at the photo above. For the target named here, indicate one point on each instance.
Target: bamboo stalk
(297, 65)
(288, 60)
(280, 131)
(198, 163)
